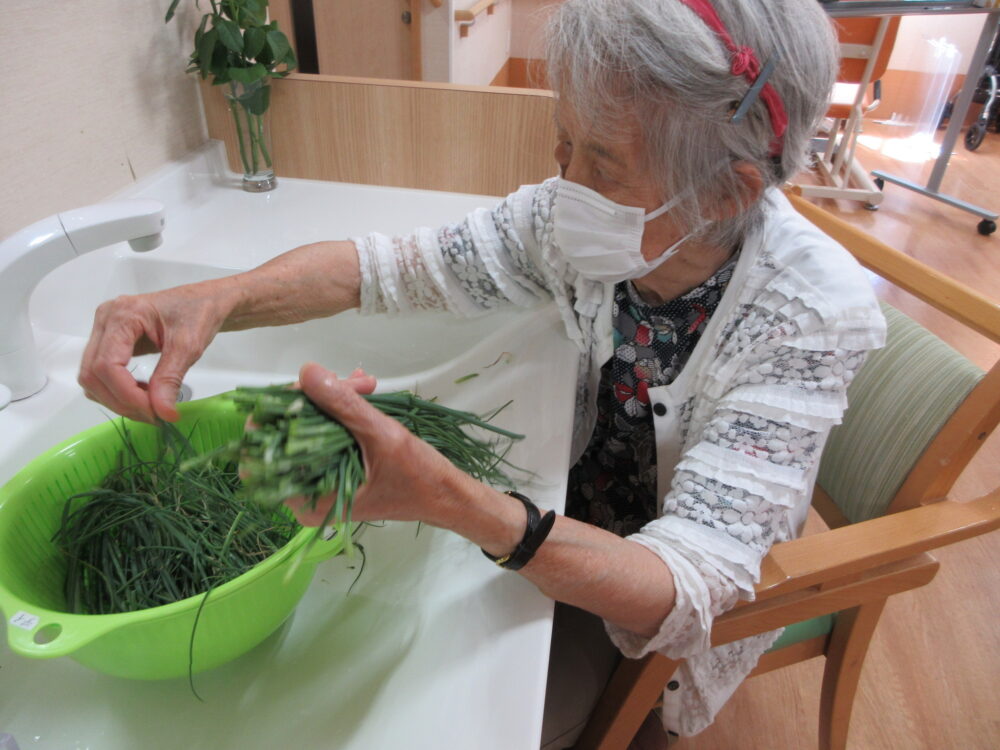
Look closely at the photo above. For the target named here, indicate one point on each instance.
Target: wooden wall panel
(281, 11)
(404, 134)
(366, 38)
(528, 73)
(502, 78)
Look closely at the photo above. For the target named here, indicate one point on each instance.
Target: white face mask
(602, 239)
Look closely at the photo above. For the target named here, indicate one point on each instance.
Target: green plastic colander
(152, 643)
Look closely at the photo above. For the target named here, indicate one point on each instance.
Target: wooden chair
(919, 412)
(865, 47)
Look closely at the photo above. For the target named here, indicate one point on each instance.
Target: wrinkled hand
(405, 477)
(179, 323)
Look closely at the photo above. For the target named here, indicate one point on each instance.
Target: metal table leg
(989, 218)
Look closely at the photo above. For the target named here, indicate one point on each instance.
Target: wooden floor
(932, 677)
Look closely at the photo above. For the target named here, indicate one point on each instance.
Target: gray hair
(657, 60)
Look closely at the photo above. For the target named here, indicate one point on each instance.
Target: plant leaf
(253, 42)
(257, 101)
(255, 12)
(230, 8)
(229, 35)
(170, 11)
(206, 47)
(248, 75)
(201, 31)
(220, 61)
(265, 57)
(280, 48)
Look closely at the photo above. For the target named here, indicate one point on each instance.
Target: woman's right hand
(311, 281)
(178, 323)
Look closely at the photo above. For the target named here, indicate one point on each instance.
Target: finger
(339, 399)
(165, 383)
(104, 373)
(362, 382)
(93, 343)
(359, 380)
(306, 515)
(119, 408)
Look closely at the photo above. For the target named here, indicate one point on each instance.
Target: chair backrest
(859, 40)
(900, 400)
(919, 411)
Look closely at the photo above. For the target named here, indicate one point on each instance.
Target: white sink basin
(387, 347)
(412, 657)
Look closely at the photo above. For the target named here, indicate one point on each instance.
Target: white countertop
(434, 647)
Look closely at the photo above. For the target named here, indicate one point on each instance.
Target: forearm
(311, 281)
(579, 564)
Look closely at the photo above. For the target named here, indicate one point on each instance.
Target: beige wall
(527, 37)
(912, 51)
(479, 56)
(94, 97)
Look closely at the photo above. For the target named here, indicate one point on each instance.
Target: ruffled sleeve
(489, 260)
(742, 484)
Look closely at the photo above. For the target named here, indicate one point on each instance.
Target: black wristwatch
(537, 529)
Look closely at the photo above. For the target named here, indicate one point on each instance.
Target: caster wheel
(879, 183)
(987, 227)
(974, 136)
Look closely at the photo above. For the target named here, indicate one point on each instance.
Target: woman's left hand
(406, 479)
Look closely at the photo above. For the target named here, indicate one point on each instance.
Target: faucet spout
(92, 227)
(26, 257)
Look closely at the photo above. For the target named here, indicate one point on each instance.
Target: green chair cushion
(803, 631)
(899, 401)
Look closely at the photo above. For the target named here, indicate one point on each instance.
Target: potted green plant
(239, 48)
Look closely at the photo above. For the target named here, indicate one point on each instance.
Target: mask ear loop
(664, 208)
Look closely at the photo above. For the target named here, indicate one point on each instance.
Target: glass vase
(249, 105)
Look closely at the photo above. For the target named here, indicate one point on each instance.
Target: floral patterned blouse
(613, 484)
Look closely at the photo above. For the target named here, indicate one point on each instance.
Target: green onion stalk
(297, 450)
(152, 534)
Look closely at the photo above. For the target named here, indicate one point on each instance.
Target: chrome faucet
(26, 257)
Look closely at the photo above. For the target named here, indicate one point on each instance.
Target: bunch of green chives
(152, 534)
(296, 449)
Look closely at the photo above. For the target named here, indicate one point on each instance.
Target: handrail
(465, 18)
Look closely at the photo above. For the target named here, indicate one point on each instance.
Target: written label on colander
(24, 620)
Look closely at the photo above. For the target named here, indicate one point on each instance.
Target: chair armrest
(850, 550)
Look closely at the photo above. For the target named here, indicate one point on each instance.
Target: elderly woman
(717, 330)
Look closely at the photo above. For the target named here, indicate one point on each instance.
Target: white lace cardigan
(755, 401)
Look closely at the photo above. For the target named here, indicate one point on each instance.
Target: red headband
(746, 64)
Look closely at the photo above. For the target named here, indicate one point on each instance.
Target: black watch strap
(535, 532)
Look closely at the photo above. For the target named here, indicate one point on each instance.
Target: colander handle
(51, 634)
